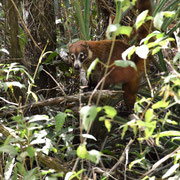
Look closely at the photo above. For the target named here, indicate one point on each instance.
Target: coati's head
(78, 53)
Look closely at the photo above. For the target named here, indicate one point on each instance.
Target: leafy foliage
(54, 138)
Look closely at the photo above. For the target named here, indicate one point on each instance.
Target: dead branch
(106, 94)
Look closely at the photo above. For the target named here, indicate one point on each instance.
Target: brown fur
(128, 76)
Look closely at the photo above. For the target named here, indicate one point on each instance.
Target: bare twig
(159, 163)
(121, 159)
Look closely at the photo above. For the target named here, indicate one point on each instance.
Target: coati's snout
(78, 53)
(77, 65)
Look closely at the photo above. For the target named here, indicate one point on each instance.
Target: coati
(83, 53)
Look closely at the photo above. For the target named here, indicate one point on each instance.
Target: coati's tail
(144, 30)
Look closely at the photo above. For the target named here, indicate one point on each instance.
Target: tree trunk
(39, 17)
(12, 19)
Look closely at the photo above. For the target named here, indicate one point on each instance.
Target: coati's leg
(83, 79)
(130, 92)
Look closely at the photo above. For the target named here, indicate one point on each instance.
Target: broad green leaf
(59, 121)
(142, 51)
(92, 67)
(169, 14)
(102, 118)
(141, 19)
(158, 20)
(128, 53)
(8, 149)
(94, 156)
(149, 115)
(31, 151)
(124, 30)
(88, 115)
(110, 111)
(124, 63)
(156, 50)
(160, 104)
(157, 34)
(111, 29)
(150, 127)
(82, 151)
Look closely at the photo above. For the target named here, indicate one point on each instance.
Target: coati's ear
(69, 45)
(85, 44)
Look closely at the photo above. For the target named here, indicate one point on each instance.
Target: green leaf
(88, 115)
(169, 133)
(94, 156)
(128, 53)
(15, 83)
(31, 175)
(158, 35)
(92, 67)
(149, 115)
(107, 123)
(38, 118)
(169, 14)
(156, 50)
(149, 129)
(8, 149)
(110, 111)
(89, 136)
(34, 96)
(124, 30)
(141, 19)
(51, 57)
(31, 151)
(59, 121)
(159, 18)
(125, 128)
(82, 151)
(160, 104)
(21, 168)
(111, 29)
(124, 63)
(138, 161)
(142, 51)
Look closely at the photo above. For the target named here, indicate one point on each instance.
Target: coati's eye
(82, 56)
(72, 57)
